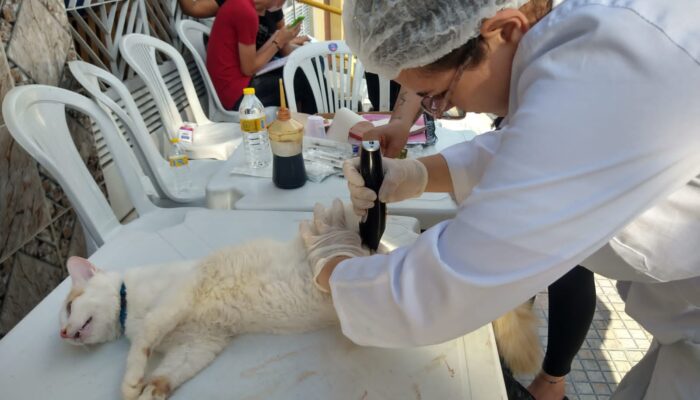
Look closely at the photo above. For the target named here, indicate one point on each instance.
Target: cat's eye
(68, 307)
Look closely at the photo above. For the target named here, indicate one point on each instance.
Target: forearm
(288, 49)
(199, 8)
(324, 276)
(264, 54)
(439, 178)
(407, 108)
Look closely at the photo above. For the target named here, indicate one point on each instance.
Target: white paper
(272, 65)
(343, 120)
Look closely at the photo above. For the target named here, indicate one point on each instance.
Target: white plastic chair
(192, 34)
(35, 116)
(211, 139)
(384, 94)
(152, 162)
(335, 75)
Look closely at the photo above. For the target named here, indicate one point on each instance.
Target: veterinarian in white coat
(601, 144)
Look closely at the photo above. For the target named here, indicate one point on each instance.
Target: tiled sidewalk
(613, 345)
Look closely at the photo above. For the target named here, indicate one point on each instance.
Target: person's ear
(509, 25)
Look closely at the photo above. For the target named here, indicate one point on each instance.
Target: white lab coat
(603, 129)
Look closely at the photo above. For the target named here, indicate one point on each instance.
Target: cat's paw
(132, 389)
(157, 388)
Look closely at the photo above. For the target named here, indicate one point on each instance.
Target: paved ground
(613, 345)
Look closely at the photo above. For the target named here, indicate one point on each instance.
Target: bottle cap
(249, 90)
(174, 140)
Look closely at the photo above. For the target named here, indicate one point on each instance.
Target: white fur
(190, 312)
(262, 286)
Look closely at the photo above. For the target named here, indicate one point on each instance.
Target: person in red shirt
(246, 35)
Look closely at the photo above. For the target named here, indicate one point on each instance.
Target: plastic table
(227, 190)
(36, 364)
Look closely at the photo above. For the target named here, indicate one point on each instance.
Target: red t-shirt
(236, 22)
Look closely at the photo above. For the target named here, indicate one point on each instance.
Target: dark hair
(473, 52)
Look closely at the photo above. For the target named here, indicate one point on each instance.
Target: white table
(227, 190)
(36, 364)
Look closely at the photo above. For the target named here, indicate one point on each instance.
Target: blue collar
(122, 307)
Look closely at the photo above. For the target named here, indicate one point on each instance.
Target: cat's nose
(64, 333)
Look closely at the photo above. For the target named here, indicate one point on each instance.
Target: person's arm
(406, 110)
(199, 8)
(567, 175)
(439, 178)
(394, 135)
(295, 42)
(252, 60)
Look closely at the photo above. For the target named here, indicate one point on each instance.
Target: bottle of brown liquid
(287, 139)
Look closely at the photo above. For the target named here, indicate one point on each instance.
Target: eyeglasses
(435, 105)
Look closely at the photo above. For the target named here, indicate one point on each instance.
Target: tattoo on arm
(406, 107)
(418, 114)
(400, 101)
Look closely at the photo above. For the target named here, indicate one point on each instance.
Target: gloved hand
(403, 179)
(328, 236)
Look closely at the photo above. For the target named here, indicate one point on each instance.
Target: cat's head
(90, 312)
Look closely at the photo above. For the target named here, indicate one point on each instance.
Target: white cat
(193, 311)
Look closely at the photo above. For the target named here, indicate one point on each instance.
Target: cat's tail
(517, 340)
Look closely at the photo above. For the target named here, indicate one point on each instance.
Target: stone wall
(38, 228)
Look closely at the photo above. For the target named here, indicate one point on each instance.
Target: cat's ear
(80, 270)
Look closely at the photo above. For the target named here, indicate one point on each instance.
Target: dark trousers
(572, 301)
(267, 89)
(373, 91)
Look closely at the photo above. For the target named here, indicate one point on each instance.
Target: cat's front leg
(158, 323)
(181, 362)
(131, 391)
(133, 384)
(158, 388)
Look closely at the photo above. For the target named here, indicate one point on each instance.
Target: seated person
(246, 35)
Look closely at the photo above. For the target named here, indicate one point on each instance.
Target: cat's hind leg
(159, 322)
(181, 362)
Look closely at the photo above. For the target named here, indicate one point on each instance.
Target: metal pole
(330, 9)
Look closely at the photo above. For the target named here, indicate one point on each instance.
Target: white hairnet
(391, 35)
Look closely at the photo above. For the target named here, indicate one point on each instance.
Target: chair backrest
(149, 158)
(192, 34)
(384, 94)
(335, 75)
(36, 117)
(139, 51)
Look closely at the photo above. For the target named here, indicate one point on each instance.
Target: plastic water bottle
(255, 138)
(180, 165)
